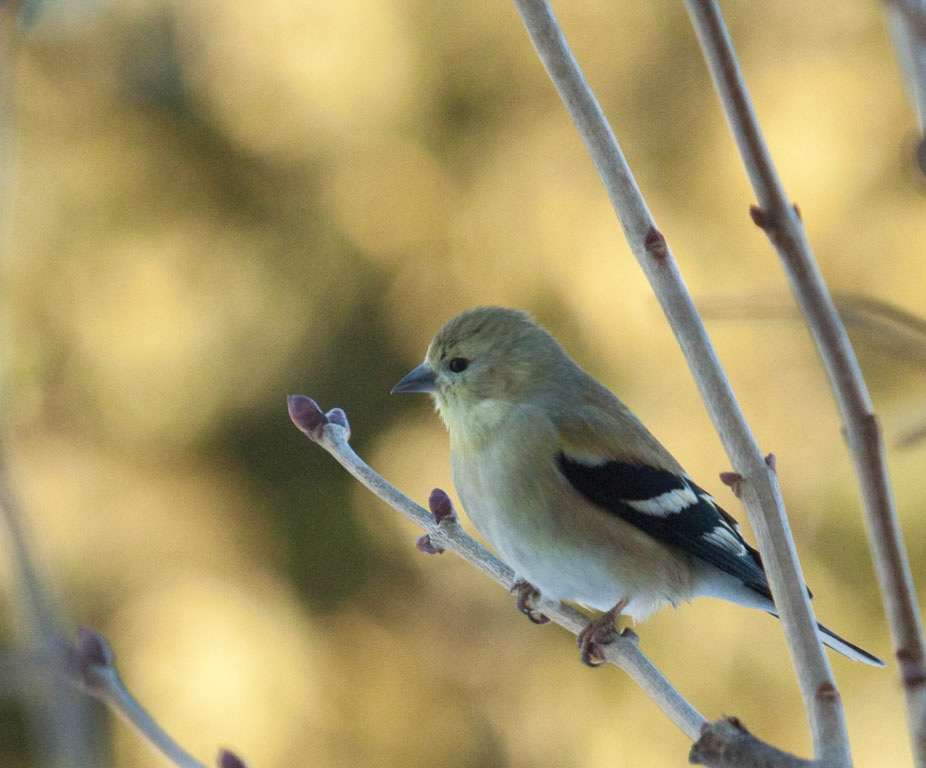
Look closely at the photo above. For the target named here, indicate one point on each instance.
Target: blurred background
(212, 204)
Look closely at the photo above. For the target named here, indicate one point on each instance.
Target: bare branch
(893, 330)
(784, 227)
(89, 664)
(60, 720)
(331, 432)
(727, 744)
(759, 485)
(907, 22)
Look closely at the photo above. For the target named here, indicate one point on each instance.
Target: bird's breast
(515, 495)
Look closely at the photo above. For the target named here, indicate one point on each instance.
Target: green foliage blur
(213, 204)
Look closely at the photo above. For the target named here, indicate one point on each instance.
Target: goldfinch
(570, 488)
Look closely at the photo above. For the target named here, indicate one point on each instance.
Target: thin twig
(760, 493)
(890, 329)
(89, 665)
(874, 323)
(895, 330)
(783, 225)
(331, 432)
(60, 720)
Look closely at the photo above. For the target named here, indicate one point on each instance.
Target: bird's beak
(420, 379)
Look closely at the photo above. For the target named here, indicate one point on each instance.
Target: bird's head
(484, 362)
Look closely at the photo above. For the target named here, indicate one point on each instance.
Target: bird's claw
(528, 601)
(599, 631)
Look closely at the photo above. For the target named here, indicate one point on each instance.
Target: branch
(727, 744)
(889, 328)
(61, 724)
(914, 13)
(907, 22)
(60, 721)
(783, 225)
(892, 330)
(89, 665)
(759, 486)
(443, 531)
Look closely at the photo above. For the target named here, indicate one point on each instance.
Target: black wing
(671, 509)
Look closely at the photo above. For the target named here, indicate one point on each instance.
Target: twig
(907, 22)
(782, 223)
(727, 744)
(60, 720)
(331, 432)
(894, 330)
(760, 493)
(89, 665)
(890, 329)
(912, 435)
(914, 12)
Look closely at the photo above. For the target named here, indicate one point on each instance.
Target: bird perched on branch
(572, 490)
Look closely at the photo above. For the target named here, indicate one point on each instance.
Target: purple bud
(771, 462)
(441, 506)
(827, 690)
(228, 759)
(423, 544)
(337, 416)
(734, 480)
(306, 415)
(655, 244)
(738, 724)
(758, 216)
(92, 648)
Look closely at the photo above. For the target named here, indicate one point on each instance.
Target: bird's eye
(458, 364)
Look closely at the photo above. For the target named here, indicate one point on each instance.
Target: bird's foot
(599, 631)
(528, 601)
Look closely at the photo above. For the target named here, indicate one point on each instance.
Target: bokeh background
(213, 203)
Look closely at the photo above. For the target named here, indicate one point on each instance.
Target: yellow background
(215, 203)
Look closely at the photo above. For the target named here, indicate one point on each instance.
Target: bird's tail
(757, 595)
(847, 649)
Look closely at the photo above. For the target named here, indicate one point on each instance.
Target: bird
(572, 490)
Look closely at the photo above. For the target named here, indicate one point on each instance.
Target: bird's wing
(644, 486)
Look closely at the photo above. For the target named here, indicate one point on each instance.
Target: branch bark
(60, 720)
(727, 744)
(88, 666)
(782, 223)
(907, 22)
(332, 432)
(759, 487)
